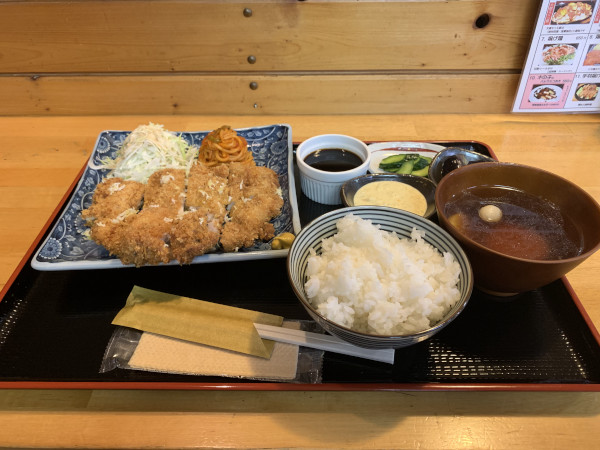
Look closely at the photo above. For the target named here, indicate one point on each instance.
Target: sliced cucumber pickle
(411, 163)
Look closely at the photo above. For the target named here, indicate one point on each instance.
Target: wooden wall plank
(88, 36)
(191, 57)
(275, 94)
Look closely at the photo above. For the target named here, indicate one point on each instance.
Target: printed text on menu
(562, 72)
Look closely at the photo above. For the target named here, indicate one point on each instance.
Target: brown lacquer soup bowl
(521, 227)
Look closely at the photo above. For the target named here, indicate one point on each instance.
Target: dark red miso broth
(530, 228)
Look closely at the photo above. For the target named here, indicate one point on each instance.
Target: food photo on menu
(566, 13)
(545, 93)
(559, 54)
(592, 57)
(562, 65)
(585, 92)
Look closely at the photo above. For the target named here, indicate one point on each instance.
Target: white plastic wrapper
(136, 350)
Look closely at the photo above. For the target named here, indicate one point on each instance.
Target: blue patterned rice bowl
(309, 241)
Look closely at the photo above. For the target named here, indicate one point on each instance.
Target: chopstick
(322, 342)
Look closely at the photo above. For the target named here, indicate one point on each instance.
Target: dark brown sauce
(333, 160)
(530, 228)
(450, 164)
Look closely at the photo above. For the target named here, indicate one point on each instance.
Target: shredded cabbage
(150, 148)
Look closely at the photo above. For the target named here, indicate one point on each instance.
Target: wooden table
(39, 157)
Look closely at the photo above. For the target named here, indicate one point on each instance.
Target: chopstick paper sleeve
(197, 321)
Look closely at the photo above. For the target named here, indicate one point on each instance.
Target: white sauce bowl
(322, 186)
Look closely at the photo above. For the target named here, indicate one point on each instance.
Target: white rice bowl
(375, 282)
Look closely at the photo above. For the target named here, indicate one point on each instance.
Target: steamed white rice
(376, 282)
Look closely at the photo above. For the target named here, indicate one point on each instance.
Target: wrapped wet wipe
(162, 332)
(136, 350)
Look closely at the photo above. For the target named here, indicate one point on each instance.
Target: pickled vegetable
(413, 164)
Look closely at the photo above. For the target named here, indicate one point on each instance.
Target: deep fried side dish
(224, 145)
(112, 198)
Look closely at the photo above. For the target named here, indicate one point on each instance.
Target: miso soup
(530, 227)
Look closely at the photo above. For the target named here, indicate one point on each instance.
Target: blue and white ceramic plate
(68, 248)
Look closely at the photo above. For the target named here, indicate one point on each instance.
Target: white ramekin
(322, 186)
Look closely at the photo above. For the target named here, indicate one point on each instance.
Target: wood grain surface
(275, 94)
(90, 57)
(39, 157)
(181, 36)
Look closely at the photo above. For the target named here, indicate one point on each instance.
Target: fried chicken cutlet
(228, 204)
(256, 199)
(166, 189)
(142, 237)
(207, 188)
(112, 198)
(139, 239)
(194, 233)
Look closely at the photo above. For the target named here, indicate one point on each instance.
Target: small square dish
(67, 247)
(383, 150)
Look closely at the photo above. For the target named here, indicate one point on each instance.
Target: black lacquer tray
(55, 326)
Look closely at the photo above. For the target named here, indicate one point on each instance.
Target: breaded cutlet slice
(105, 231)
(207, 188)
(256, 184)
(194, 233)
(247, 181)
(165, 189)
(256, 199)
(143, 239)
(240, 232)
(236, 181)
(112, 197)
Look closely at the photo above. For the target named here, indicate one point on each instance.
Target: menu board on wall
(562, 71)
